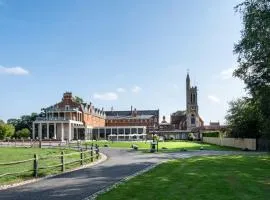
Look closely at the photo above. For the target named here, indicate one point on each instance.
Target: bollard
(91, 153)
(62, 162)
(81, 155)
(35, 174)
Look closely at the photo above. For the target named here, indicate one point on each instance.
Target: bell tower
(192, 112)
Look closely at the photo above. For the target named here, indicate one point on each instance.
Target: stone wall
(232, 142)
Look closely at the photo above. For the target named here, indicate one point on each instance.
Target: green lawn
(171, 146)
(212, 177)
(10, 154)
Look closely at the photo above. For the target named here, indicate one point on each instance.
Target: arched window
(192, 119)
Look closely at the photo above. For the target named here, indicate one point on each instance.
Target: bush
(211, 134)
(191, 137)
(6, 131)
(24, 133)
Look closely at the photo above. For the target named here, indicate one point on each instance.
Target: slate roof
(130, 117)
(129, 113)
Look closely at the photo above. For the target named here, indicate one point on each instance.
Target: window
(67, 107)
(192, 119)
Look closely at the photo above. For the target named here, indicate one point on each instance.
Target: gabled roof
(179, 113)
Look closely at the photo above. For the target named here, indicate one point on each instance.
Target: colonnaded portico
(54, 129)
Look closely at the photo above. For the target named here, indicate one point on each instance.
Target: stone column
(69, 131)
(54, 130)
(40, 131)
(33, 131)
(117, 132)
(62, 132)
(48, 126)
(98, 137)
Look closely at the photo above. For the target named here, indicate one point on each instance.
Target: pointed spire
(188, 79)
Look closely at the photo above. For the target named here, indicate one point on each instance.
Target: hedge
(211, 134)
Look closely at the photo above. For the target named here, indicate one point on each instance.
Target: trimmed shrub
(211, 134)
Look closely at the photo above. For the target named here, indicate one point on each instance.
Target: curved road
(85, 182)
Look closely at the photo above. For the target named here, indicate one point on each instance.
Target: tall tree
(244, 118)
(253, 49)
(78, 99)
(25, 121)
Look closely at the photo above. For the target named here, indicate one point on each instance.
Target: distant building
(188, 119)
(213, 126)
(148, 118)
(165, 126)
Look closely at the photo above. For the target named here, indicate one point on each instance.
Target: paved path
(82, 183)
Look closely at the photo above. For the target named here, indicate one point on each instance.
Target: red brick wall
(92, 120)
(130, 122)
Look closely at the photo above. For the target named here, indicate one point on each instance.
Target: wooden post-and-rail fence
(82, 158)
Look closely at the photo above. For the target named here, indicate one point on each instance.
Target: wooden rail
(94, 153)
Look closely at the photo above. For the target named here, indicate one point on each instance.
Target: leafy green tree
(25, 121)
(24, 133)
(6, 130)
(253, 50)
(244, 118)
(78, 99)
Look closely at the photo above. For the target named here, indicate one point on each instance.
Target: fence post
(35, 174)
(81, 153)
(91, 153)
(86, 146)
(62, 162)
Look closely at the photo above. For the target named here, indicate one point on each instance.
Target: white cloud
(227, 73)
(108, 96)
(120, 90)
(136, 89)
(213, 98)
(13, 71)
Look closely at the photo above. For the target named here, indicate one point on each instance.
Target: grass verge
(205, 178)
(173, 146)
(46, 157)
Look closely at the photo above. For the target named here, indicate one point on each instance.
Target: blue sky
(118, 53)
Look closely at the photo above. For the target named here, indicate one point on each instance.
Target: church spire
(187, 90)
(188, 80)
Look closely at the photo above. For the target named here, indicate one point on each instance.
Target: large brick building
(148, 118)
(71, 120)
(68, 120)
